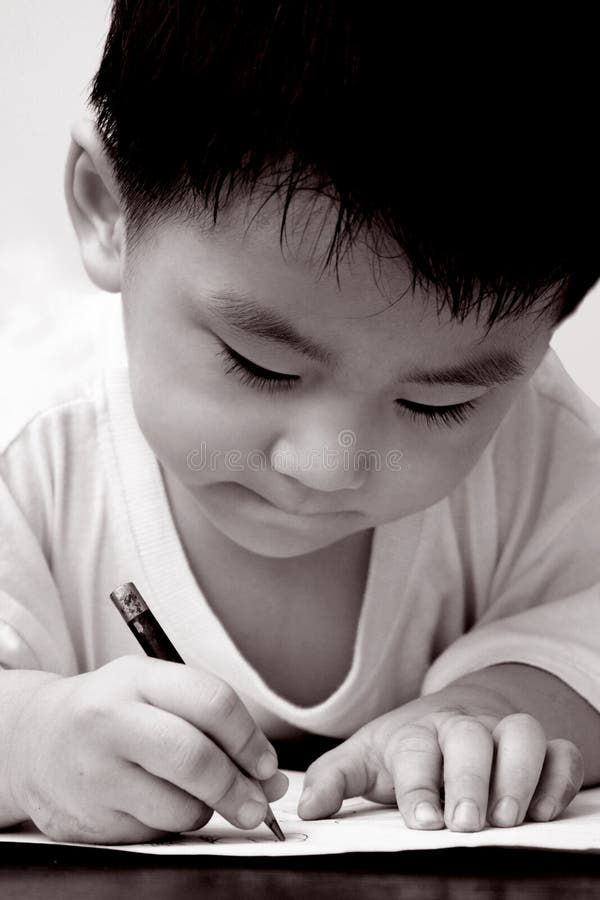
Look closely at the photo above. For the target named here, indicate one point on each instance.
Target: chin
(279, 543)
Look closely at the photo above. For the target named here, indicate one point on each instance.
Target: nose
(322, 454)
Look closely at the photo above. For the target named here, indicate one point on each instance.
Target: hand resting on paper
(493, 765)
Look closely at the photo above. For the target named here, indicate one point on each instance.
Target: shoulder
(540, 470)
(552, 423)
(545, 457)
(529, 511)
(554, 387)
(51, 427)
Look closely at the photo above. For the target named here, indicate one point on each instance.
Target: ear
(94, 206)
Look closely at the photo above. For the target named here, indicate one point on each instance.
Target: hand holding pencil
(135, 751)
(155, 643)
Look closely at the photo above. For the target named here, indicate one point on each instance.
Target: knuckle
(246, 740)
(463, 726)
(415, 739)
(126, 661)
(470, 774)
(189, 756)
(222, 701)
(126, 665)
(563, 746)
(525, 721)
(225, 789)
(565, 749)
(521, 775)
(465, 723)
(416, 793)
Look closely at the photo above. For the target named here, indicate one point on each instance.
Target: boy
(338, 458)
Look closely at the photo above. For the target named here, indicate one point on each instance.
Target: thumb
(346, 771)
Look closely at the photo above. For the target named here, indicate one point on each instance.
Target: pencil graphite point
(273, 824)
(269, 820)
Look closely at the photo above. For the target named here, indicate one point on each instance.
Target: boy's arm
(561, 711)
(16, 692)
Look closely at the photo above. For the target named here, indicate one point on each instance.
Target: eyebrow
(245, 315)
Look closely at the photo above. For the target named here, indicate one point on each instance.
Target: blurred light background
(48, 54)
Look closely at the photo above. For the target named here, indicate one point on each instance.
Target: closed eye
(253, 375)
(259, 378)
(434, 415)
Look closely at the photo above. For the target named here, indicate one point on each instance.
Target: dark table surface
(54, 872)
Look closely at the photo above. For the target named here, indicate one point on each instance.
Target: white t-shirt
(505, 569)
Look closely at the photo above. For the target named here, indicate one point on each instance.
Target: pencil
(155, 642)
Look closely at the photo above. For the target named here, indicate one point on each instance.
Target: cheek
(186, 416)
(182, 397)
(433, 475)
(435, 461)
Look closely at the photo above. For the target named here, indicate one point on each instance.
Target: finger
(276, 787)
(340, 773)
(468, 750)
(157, 804)
(172, 749)
(212, 706)
(560, 780)
(414, 757)
(520, 750)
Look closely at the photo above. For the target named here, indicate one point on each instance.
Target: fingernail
(306, 797)
(466, 815)
(506, 812)
(426, 814)
(267, 764)
(545, 809)
(251, 814)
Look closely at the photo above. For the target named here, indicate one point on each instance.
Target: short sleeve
(33, 630)
(543, 611)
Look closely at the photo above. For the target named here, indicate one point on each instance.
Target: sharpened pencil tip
(273, 824)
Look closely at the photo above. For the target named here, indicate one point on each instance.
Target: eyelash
(263, 379)
(253, 375)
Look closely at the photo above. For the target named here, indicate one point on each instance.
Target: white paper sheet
(359, 827)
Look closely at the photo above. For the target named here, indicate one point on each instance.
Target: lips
(299, 509)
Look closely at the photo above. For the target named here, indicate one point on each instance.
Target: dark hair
(478, 174)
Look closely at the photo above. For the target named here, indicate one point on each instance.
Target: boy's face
(287, 465)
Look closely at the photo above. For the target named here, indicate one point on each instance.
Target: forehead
(368, 295)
